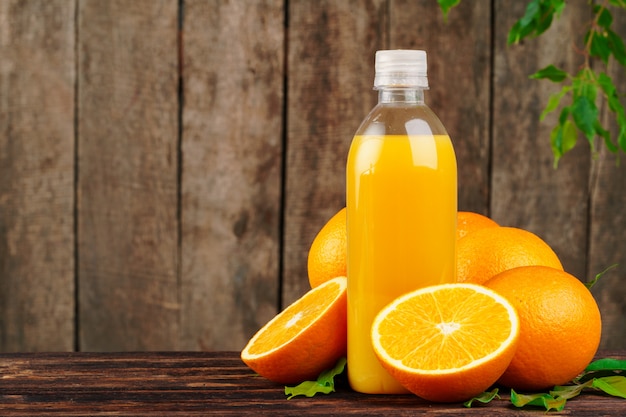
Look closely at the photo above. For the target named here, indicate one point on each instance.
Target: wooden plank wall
(165, 164)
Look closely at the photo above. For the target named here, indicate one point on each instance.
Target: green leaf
(546, 401)
(308, 388)
(600, 46)
(550, 72)
(616, 45)
(610, 92)
(554, 101)
(446, 6)
(615, 105)
(585, 114)
(515, 34)
(537, 19)
(558, 6)
(568, 391)
(543, 23)
(565, 112)
(606, 364)
(589, 285)
(562, 138)
(525, 26)
(606, 83)
(610, 145)
(584, 84)
(485, 397)
(604, 18)
(612, 385)
(325, 383)
(606, 135)
(533, 9)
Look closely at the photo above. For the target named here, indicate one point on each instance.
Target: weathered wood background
(165, 164)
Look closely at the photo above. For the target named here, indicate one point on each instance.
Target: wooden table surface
(217, 383)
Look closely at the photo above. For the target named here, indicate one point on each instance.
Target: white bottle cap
(401, 68)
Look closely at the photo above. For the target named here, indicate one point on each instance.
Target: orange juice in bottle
(401, 192)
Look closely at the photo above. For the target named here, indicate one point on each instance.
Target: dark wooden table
(216, 383)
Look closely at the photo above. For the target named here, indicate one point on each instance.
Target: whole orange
(329, 251)
(468, 221)
(489, 251)
(560, 326)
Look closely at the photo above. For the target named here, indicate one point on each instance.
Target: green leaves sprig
(585, 88)
(605, 375)
(556, 399)
(581, 92)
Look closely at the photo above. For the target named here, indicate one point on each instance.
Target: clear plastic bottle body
(401, 219)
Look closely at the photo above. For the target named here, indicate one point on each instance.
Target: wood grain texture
(526, 191)
(232, 165)
(199, 383)
(175, 159)
(128, 175)
(330, 78)
(608, 223)
(36, 175)
(459, 67)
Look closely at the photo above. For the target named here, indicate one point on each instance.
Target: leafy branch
(583, 91)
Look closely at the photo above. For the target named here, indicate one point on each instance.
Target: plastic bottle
(401, 193)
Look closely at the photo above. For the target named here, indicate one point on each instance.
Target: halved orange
(304, 339)
(448, 342)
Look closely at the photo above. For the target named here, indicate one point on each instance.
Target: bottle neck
(413, 95)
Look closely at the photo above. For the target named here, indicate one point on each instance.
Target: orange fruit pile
(560, 323)
(329, 251)
(303, 340)
(514, 316)
(448, 342)
(560, 326)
